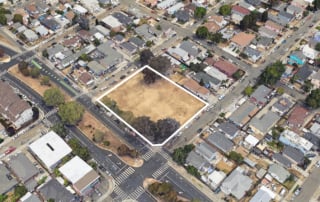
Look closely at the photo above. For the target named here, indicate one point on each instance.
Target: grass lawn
(159, 100)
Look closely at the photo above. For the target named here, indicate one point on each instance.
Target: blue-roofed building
(296, 57)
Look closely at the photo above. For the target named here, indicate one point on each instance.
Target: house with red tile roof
(195, 88)
(238, 12)
(297, 117)
(273, 26)
(242, 39)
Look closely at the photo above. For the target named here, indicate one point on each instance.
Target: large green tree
(17, 18)
(272, 73)
(317, 47)
(225, 10)
(53, 97)
(3, 19)
(35, 72)
(202, 32)
(200, 12)
(71, 112)
(313, 99)
(78, 149)
(180, 154)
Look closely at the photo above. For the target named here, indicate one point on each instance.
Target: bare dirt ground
(88, 125)
(158, 101)
(225, 167)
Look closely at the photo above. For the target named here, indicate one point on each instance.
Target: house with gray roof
(41, 30)
(263, 122)
(196, 160)
(206, 151)
(243, 114)
(314, 139)
(147, 32)
(278, 172)
(265, 32)
(221, 142)
(263, 195)
(22, 167)
(285, 17)
(295, 10)
(208, 81)
(96, 68)
(253, 54)
(191, 48)
(282, 106)
(236, 184)
(259, 96)
(182, 16)
(55, 49)
(112, 57)
(282, 160)
(229, 129)
(54, 190)
(8, 182)
(137, 42)
(263, 42)
(123, 18)
(102, 30)
(303, 73)
(254, 2)
(28, 197)
(293, 154)
(128, 47)
(30, 35)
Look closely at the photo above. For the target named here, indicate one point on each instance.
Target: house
(50, 23)
(166, 4)
(179, 54)
(128, 48)
(238, 13)
(147, 32)
(206, 151)
(212, 27)
(227, 33)
(111, 22)
(196, 160)
(293, 154)
(82, 176)
(174, 8)
(296, 57)
(96, 68)
(28, 197)
(309, 52)
(282, 160)
(207, 80)
(6, 179)
(13, 108)
(254, 2)
(195, 88)
(191, 48)
(182, 16)
(69, 15)
(297, 117)
(54, 50)
(112, 57)
(236, 184)
(42, 31)
(225, 67)
(50, 149)
(24, 14)
(243, 114)
(315, 79)
(30, 35)
(260, 96)
(263, 195)
(221, 142)
(85, 35)
(137, 42)
(85, 78)
(80, 10)
(292, 139)
(52, 189)
(242, 39)
(123, 18)
(295, 10)
(303, 73)
(282, 105)
(219, 20)
(215, 73)
(314, 139)
(101, 29)
(22, 167)
(273, 26)
(278, 172)
(229, 129)
(253, 54)
(250, 141)
(263, 122)
(215, 178)
(285, 17)
(32, 10)
(265, 32)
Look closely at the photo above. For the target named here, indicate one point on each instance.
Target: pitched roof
(298, 116)
(241, 10)
(283, 104)
(263, 195)
(6, 179)
(190, 47)
(259, 96)
(242, 115)
(195, 160)
(229, 128)
(54, 190)
(22, 167)
(265, 122)
(226, 67)
(278, 172)
(282, 160)
(220, 141)
(207, 79)
(294, 154)
(212, 26)
(205, 150)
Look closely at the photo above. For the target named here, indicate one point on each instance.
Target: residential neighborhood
(159, 100)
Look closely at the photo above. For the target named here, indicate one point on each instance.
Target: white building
(215, 73)
(79, 9)
(166, 4)
(309, 52)
(80, 174)
(50, 149)
(111, 22)
(215, 179)
(173, 9)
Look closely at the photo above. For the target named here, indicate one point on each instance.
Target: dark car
(122, 77)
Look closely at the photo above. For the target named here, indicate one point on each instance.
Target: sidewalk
(111, 185)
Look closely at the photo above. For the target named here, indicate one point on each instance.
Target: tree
(215, 37)
(59, 129)
(45, 53)
(35, 72)
(3, 19)
(20, 191)
(307, 86)
(180, 154)
(313, 99)
(225, 10)
(200, 12)
(272, 73)
(248, 90)
(149, 43)
(197, 67)
(78, 149)
(3, 197)
(23, 68)
(280, 90)
(202, 32)
(165, 128)
(145, 56)
(17, 18)
(317, 47)
(45, 80)
(193, 171)
(51, 200)
(71, 112)
(236, 157)
(160, 63)
(238, 74)
(98, 136)
(245, 23)
(149, 77)
(85, 57)
(53, 97)
(145, 126)
(264, 16)
(316, 4)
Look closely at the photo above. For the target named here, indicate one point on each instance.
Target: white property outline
(133, 129)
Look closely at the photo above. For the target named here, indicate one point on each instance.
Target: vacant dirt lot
(158, 101)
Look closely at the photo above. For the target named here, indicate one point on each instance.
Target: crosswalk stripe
(136, 193)
(147, 155)
(120, 193)
(160, 170)
(124, 175)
